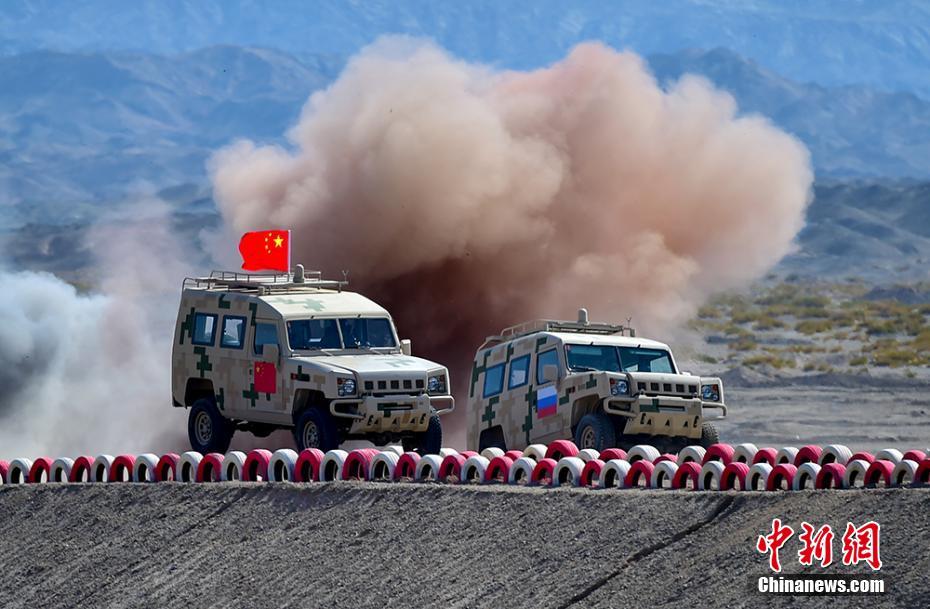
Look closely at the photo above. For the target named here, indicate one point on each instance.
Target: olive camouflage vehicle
(292, 350)
(597, 384)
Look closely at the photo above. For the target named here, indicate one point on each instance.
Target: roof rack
(265, 283)
(582, 326)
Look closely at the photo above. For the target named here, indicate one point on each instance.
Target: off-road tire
(324, 434)
(709, 435)
(596, 430)
(427, 442)
(207, 429)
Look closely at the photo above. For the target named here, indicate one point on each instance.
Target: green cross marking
(476, 371)
(564, 399)
(223, 303)
(398, 363)
(488, 415)
(253, 307)
(267, 397)
(221, 399)
(592, 383)
(204, 364)
(301, 376)
(187, 326)
(251, 394)
(307, 303)
(528, 421)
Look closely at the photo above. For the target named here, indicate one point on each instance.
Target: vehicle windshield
(635, 359)
(357, 332)
(367, 332)
(313, 334)
(589, 358)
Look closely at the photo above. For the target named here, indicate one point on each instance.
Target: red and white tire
(513, 455)
(687, 475)
(307, 468)
(613, 474)
(718, 452)
(587, 454)
(383, 465)
(472, 453)
(167, 468)
(560, 449)
(121, 468)
(766, 455)
(665, 457)
(862, 456)
(922, 475)
(691, 453)
(609, 454)
(357, 465)
(832, 475)
(450, 471)
(542, 473)
(445, 452)
(474, 469)
(758, 476)
(521, 472)
(101, 469)
(187, 466)
(40, 470)
(640, 474)
(491, 452)
(781, 478)
(81, 469)
(904, 473)
(498, 469)
(644, 452)
(786, 454)
(567, 472)
(807, 454)
(914, 455)
(711, 473)
(879, 473)
(61, 470)
(143, 470)
(591, 472)
(854, 477)
(233, 464)
(806, 476)
(4, 468)
(734, 475)
(743, 453)
(281, 465)
(331, 466)
(428, 468)
(255, 468)
(406, 467)
(535, 451)
(210, 468)
(834, 453)
(18, 472)
(889, 454)
(663, 474)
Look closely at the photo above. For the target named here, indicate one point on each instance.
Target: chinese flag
(266, 250)
(266, 380)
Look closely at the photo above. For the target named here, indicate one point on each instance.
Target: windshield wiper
(583, 369)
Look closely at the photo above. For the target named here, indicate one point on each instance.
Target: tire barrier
(186, 470)
(806, 476)
(567, 472)
(879, 473)
(451, 468)
(542, 473)
(121, 468)
(832, 475)
(357, 465)
(383, 465)
(734, 476)
(591, 472)
(587, 454)
(307, 468)
(862, 456)
(786, 454)
(40, 470)
(744, 453)
(612, 453)
(472, 453)
(922, 475)
(443, 452)
(282, 464)
(4, 468)
(914, 455)
(613, 474)
(490, 453)
(855, 473)
(61, 470)
(835, 453)
(560, 449)
(100, 471)
(640, 474)
(781, 478)
(331, 466)
(904, 472)
(474, 469)
(233, 464)
(807, 454)
(18, 472)
(498, 469)
(889, 454)
(718, 452)
(642, 452)
(167, 468)
(406, 466)
(144, 468)
(513, 455)
(691, 453)
(663, 474)
(428, 468)
(758, 477)
(687, 475)
(711, 473)
(665, 457)
(535, 451)
(397, 450)
(521, 472)
(210, 468)
(765, 455)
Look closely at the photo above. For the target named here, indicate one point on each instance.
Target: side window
(265, 334)
(204, 329)
(519, 372)
(547, 358)
(233, 332)
(493, 380)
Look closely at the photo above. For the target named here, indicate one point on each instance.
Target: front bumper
(663, 415)
(392, 413)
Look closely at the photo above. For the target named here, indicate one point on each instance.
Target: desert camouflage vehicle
(261, 352)
(594, 383)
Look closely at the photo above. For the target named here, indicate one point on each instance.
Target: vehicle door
(267, 384)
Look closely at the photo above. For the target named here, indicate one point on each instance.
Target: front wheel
(207, 429)
(709, 435)
(316, 429)
(595, 430)
(427, 442)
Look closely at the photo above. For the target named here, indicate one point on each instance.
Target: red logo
(860, 544)
(773, 542)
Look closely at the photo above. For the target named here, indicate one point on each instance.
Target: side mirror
(271, 354)
(406, 347)
(550, 373)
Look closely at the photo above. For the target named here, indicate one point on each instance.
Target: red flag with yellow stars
(266, 250)
(266, 380)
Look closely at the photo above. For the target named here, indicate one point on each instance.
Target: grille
(394, 385)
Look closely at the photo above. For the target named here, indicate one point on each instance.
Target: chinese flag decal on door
(265, 378)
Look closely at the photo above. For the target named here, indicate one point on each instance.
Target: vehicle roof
(321, 303)
(580, 338)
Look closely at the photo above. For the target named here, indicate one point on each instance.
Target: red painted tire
(542, 473)
(863, 456)
(807, 454)
(916, 456)
(665, 457)
(471, 453)
(591, 472)
(513, 455)
(406, 466)
(781, 473)
(499, 469)
(687, 471)
(358, 464)
(39, 466)
(922, 475)
(256, 465)
(831, 476)
(641, 470)
(210, 468)
(765, 455)
(4, 468)
(719, 452)
(307, 468)
(80, 471)
(612, 453)
(168, 464)
(879, 471)
(451, 467)
(560, 449)
(734, 472)
(121, 468)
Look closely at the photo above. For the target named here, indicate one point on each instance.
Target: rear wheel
(208, 430)
(595, 430)
(315, 428)
(427, 442)
(709, 435)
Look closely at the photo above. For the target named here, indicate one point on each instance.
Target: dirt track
(375, 545)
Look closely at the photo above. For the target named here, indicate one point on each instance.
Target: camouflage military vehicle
(597, 384)
(261, 352)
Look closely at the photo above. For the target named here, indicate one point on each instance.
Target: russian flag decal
(547, 399)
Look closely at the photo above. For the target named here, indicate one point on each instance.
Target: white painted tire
(711, 472)
(474, 468)
(187, 466)
(613, 474)
(100, 472)
(806, 477)
(903, 473)
(382, 466)
(281, 465)
(331, 465)
(758, 476)
(60, 471)
(428, 468)
(743, 453)
(567, 472)
(143, 470)
(490, 453)
(834, 453)
(535, 452)
(645, 452)
(397, 450)
(691, 453)
(233, 462)
(855, 473)
(889, 454)
(521, 472)
(588, 454)
(663, 474)
(786, 454)
(18, 472)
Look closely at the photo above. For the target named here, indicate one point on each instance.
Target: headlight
(619, 387)
(710, 393)
(436, 384)
(345, 386)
